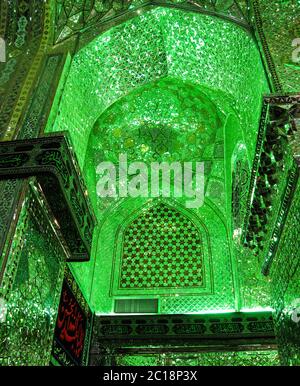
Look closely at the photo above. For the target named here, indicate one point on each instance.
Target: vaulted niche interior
(169, 86)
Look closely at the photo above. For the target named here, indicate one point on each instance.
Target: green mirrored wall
(168, 85)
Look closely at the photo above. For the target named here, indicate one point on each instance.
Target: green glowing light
(165, 85)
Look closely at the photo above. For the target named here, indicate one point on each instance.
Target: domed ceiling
(161, 87)
(164, 43)
(166, 120)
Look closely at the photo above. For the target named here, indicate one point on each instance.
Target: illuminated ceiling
(199, 49)
(194, 81)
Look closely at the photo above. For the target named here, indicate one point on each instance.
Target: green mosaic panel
(166, 120)
(32, 286)
(162, 248)
(160, 43)
(229, 358)
(280, 22)
(138, 360)
(166, 72)
(237, 358)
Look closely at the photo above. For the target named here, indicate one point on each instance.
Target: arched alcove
(167, 120)
(161, 248)
(166, 85)
(194, 47)
(217, 289)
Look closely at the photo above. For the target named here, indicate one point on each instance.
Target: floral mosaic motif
(159, 44)
(162, 248)
(166, 120)
(278, 25)
(51, 159)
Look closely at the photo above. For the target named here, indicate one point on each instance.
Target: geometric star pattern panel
(162, 248)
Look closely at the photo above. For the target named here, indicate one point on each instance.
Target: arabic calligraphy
(71, 324)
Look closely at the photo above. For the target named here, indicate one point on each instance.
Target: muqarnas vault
(90, 280)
